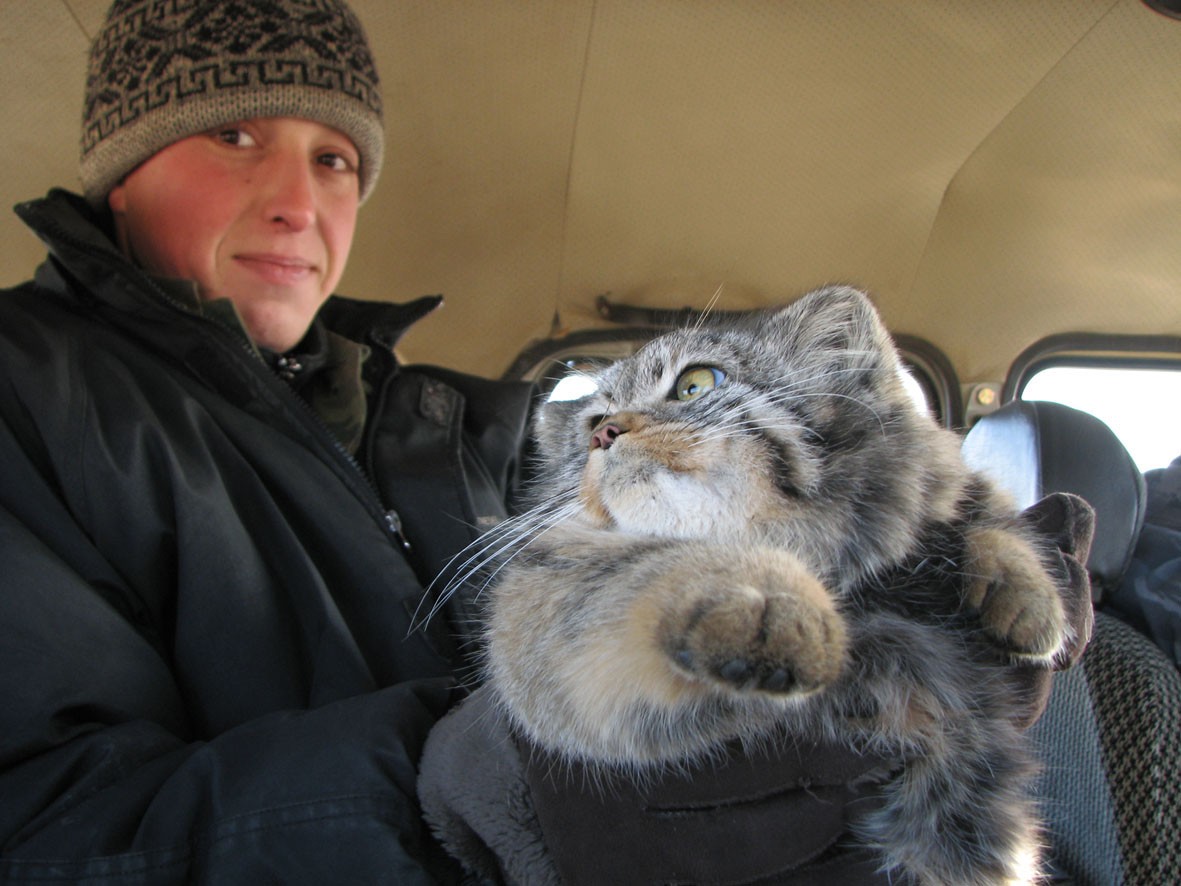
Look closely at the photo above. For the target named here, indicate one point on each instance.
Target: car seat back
(1111, 734)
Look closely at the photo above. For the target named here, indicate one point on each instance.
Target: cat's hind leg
(960, 810)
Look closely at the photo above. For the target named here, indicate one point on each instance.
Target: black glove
(769, 816)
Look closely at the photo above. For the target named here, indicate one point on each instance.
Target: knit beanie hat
(162, 70)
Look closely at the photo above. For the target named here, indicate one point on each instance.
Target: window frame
(1101, 352)
(1088, 349)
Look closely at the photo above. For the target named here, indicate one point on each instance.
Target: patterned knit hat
(162, 70)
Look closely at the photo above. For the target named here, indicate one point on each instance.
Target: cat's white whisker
(488, 548)
(709, 308)
(516, 548)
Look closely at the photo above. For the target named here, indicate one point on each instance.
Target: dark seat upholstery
(1111, 736)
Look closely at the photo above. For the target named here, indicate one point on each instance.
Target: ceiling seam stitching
(74, 15)
(943, 198)
(559, 282)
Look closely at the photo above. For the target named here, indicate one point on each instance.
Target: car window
(1140, 404)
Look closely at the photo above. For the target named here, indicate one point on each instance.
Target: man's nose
(290, 195)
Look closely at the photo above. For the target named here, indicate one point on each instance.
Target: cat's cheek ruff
(778, 439)
(594, 509)
(675, 502)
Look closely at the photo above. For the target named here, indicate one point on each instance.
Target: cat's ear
(840, 321)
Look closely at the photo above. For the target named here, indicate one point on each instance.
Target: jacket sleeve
(101, 778)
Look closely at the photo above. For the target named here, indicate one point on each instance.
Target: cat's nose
(605, 435)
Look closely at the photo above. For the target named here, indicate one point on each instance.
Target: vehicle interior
(1003, 178)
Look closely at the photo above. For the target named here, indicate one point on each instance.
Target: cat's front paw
(770, 629)
(1017, 600)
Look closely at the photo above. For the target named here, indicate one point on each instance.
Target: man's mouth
(283, 270)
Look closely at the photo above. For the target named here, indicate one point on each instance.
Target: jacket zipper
(390, 519)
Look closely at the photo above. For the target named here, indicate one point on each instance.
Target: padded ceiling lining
(778, 146)
(992, 172)
(1068, 213)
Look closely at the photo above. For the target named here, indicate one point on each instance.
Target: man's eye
(234, 136)
(337, 162)
(697, 381)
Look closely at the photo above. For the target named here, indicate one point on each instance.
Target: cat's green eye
(693, 383)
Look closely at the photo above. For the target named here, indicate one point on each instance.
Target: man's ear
(117, 199)
(117, 202)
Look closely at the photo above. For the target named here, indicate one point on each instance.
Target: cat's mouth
(663, 479)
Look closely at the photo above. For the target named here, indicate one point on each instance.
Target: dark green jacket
(208, 646)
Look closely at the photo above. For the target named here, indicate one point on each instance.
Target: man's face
(260, 212)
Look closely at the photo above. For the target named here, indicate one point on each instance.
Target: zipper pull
(393, 522)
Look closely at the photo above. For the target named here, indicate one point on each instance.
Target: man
(221, 498)
(206, 631)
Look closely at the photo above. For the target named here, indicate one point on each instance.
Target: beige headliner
(993, 172)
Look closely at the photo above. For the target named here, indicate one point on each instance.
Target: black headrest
(1033, 448)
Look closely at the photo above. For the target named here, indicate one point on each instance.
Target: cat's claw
(779, 680)
(742, 673)
(737, 671)
(767, 677)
